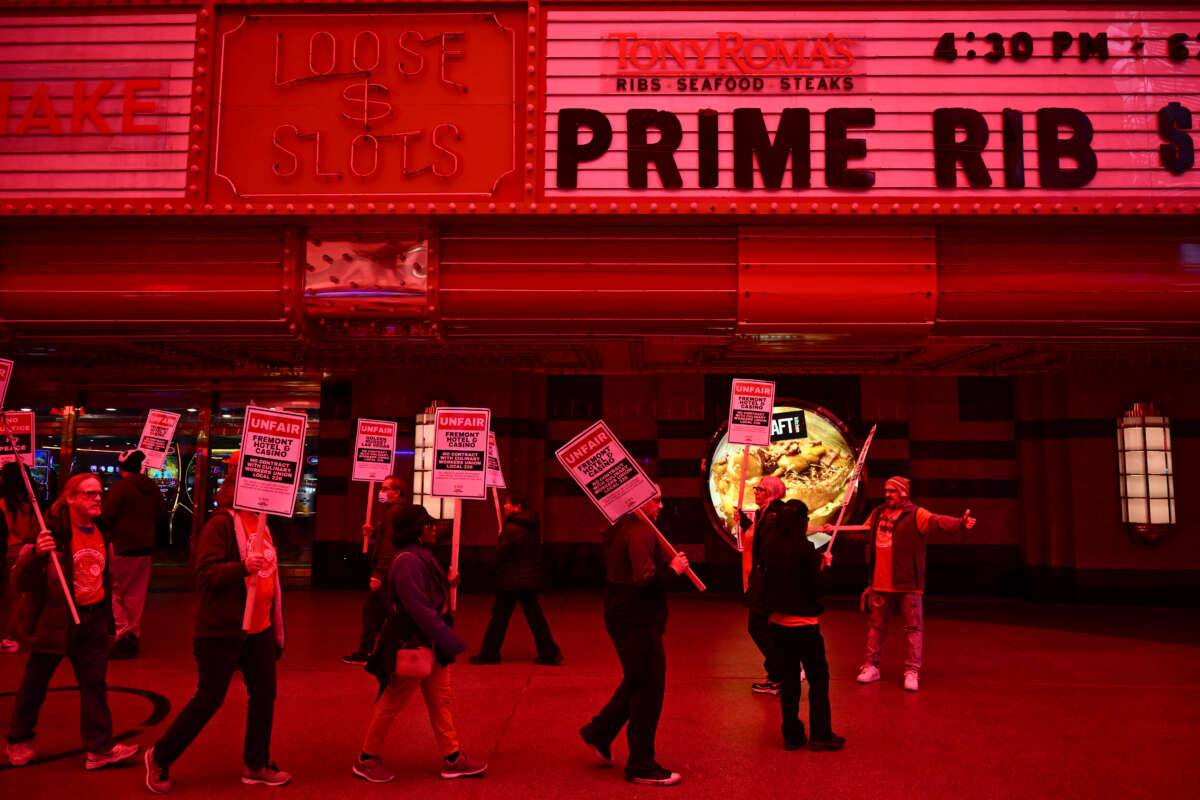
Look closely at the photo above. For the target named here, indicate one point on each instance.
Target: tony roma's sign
(339, 106)
(1012, 102)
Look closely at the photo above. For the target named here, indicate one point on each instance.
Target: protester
(20, 529)
(393, 496)
(418, 600)
(766, 491)
(520, 577)
(226, 561)
(133, 507)
(785, 585)
(635, 615)
(896, 555)
(52, 635)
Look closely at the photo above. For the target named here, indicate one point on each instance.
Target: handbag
(414, 661)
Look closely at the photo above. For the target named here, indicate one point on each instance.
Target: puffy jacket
(47, 623)
(519, 552)
(786, 575)
(133, 507)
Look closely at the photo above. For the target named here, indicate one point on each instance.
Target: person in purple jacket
(418, 599)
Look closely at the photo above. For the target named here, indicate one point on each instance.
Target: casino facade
(974, 227)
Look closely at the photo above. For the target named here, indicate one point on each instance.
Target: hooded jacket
(46, 621)
(519, 552)
(133, 507)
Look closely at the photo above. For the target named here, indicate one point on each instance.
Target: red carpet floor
(1018, 700)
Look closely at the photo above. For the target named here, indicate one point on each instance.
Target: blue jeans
(882, 605)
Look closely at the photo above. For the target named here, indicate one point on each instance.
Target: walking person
(53, 635)
(766, 491)
(418, 599)
(226, 561)
(520, 578)
(132, 509)
(896, 555)
(19, 529)
(393, 496)
(786, 584)
(638, 573)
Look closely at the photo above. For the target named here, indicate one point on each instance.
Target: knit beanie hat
(131, 461)
(898, 483)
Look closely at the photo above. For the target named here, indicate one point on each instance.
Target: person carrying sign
(896, 555)
(393, 496)
(785, 585)
(418, 598)
(638, 573)
(227, 557)
(19, 529)
(132, 510)
(520, 577)
(72, 530)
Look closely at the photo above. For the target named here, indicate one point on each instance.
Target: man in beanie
(133, 507)
(896, 555)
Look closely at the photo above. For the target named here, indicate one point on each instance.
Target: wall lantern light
(1144, 462)
(437, 507)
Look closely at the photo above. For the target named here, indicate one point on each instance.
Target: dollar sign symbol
(360, 95)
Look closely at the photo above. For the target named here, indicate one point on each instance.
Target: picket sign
(612, 479)
(374, 460)
(751, 405)
(58, 570)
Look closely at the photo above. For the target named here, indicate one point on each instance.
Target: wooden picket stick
(858, 465)
(256, 549)
(741, 497)
(499, 513)
(455, 540)
(62, 579)
(367, 521)
(692, 576)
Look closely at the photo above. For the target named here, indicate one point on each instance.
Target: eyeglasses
(96, 494)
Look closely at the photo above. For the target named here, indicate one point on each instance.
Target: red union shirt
(87, 556)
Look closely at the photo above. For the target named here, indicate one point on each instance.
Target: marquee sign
(342, 106)
(95, 105)
(1001, 102)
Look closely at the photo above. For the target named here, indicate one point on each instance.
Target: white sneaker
(911, 682)
(10, 646)
(868, 674)
(20, 754)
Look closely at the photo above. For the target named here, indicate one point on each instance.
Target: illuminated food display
(810, 452)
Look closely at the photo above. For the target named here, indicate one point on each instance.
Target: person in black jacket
(519, 574)
(786, 584)
(393, 496)
(132, 509)
(638, 572)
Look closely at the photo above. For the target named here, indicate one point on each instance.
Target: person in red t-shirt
(82, 546)
(896, 555)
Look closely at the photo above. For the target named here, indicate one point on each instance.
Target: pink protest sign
(606, 471)
(460, 444)
(156, 436)
(750, 405)
(268, 475)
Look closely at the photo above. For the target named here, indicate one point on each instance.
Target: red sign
(384, 105)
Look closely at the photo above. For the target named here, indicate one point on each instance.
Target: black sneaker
(794, 740)
(555, 660)
(601, 750)
(832, 742)
(357, 658)
(480, 658)
(123, 648)
(765, 687)
(652, 776)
